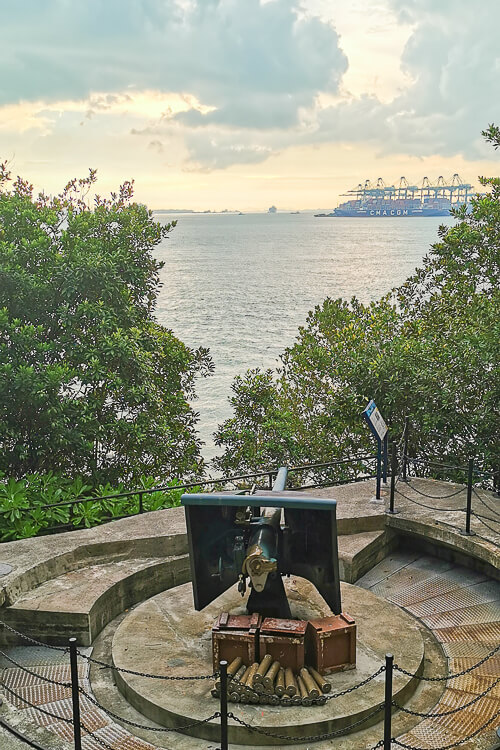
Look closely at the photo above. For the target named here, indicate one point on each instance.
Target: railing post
(394, 471)
(75, 694)
(405, 447)
(389, 661)
(379, 468)
(223, 705)
(470, 479)
(384, 475)
(270, 480)
(141, 507)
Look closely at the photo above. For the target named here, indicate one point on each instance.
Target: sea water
(242, 285)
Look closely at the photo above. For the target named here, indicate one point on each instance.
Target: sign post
(379, 430)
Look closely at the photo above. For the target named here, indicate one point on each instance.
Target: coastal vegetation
(428, 349)
(94, 393)
(91, 386)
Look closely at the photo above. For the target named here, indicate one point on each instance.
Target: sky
(240, 104)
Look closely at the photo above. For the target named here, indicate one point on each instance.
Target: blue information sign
(375, 420)
(379, 429)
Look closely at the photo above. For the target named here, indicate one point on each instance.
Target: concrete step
(358, 553)
(79, 603)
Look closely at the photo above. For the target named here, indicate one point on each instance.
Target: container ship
(403, 199)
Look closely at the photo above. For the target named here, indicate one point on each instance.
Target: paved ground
(460, 607)
(457, 610)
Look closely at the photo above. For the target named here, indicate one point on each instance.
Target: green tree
(90, 383)
(429, 349)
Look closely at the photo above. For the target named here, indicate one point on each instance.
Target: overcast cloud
(257, 74)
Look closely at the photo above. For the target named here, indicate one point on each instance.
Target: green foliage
(90, 384)
(42, 503)
(429, 349)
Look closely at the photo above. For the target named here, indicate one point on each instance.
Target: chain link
(15, 733)
(32, 705)
(33, 640)
(144, 726)
(480, 519)
(450, 676)
(492, 510)
(310, 738)
(99, 740)
(104, 665)
(355, 687)
(452, 710)
(453, 744)
(430, 507)
(437, 497)
(34, 674)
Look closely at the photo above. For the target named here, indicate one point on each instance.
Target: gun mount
(260, 538)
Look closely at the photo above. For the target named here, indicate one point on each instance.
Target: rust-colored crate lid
(279, 626)
(225, 621)
(335, 622)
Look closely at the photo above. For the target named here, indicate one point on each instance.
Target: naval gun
(255, 540)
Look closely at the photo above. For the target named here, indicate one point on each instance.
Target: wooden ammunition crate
(284, 640)
(236, 635)
(331, 643)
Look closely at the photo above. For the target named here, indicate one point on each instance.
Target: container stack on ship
(428, 199)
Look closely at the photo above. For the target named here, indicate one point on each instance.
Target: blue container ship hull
(401, 212)
(404, 200)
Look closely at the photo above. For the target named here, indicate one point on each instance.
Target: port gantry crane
(455, 191)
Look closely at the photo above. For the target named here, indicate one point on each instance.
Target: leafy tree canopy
(90, 383)
(429, 349)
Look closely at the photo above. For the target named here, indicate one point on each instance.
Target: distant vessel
(430, 199)
(272, 210)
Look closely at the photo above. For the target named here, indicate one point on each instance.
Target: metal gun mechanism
(237, 538)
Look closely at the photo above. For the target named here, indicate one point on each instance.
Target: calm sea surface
(242, 285)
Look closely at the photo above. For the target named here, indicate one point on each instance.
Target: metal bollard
(470, 480)
(379, 470)
(223, 705)
(389, 661)
(75, 694)
(394, 471)
(386, 443)
(405, 448)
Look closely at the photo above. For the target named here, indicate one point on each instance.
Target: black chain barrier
(355, 687)
(437, 497)
(450, 676)
(103, 664)
(453, 744)
(224, 714)
(312, 737)
(481, 500)
(120, 719)
(15, 733)
(452, 710)
(34, 674)
(33, 640)
(175, 678)
(33, 705)
(430, 507)
(94, 736)
(481, 520)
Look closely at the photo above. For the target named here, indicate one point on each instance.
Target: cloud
(217, 50)
(240, 80)
(453, 60)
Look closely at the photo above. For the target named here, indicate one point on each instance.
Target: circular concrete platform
(165, 635)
